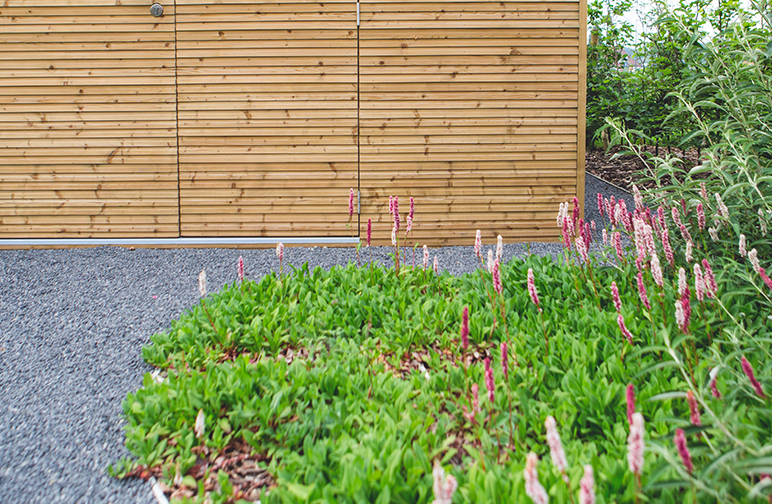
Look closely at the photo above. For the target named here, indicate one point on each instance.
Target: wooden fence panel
(88, 139)
(267, 117)
(472, 107)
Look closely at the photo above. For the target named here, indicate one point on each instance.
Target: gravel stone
(72, 323)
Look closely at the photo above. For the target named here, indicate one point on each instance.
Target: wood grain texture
(268, 117)
(471, 108)
(88, 139)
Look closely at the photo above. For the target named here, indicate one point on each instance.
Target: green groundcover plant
(637, 374)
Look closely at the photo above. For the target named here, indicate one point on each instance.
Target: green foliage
(345, 417)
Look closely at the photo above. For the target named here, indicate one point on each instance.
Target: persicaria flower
(700, 216)
(391, 205)
(685, 233)
(241, 269)
(699, 283)
(681, 281)
(478, 244)
(490, 261)
(576, 209)
(711, 288)
(600, 204)
(741, 246)
(497, 286)
(688, 251)
(704, 191)
(680, 317)
(587, 487)
(396, 214)
(605, 237)
(444, 486)
(609, 205)
(426, 256)
(748, 370)
(642, 292)
(475, 398)
(762, 223)
(694, 408)
(763, 274)
(489, 384)
(202, 283)
(409, 226)
(499, 247)
(581, 248)
(556, 446)
(199, 426)
(533, 488)
(436, 265)
(753, 256)
(280, 251)
(566, 234)
(617, 238)
(350, 202)
(412, 208)
(369, 231)
(656, 271)
(630, 399)
(394, 235)
(532, 288)
(722, 210)
(623, 328)
(713, 234)
(669, 255)
(615, 297)
(683, 450)
(676, 216)
(465, 328)
(635, 445)
(713, 384)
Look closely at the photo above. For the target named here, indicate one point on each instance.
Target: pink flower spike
(699, 283)
(701, 216)
(426, 257)
(490, 261)
(635, 445)
(704, 191)
(391, 205)
(615, 297)
(436, 266)
(605, 236)
(676, 217)
(600, 204)
(748, 370)
(241, 269)
(369, 231)
(475, 398)
(624, 330)
(669, 255)
(763, 274)
(504, 360)
(694, 408)
(587, 487)
(656, 271)
(533, 488)
(412, 207)
(396, 214)
(497, 286)
(575, 214)
(683, 450)
(409, 226)
(617, 239)
(532, 288)
(557, 452)
(444, 486)
(489, 384)
(499, 247)
(478, 244)
(638, 198)
(630, 399)
(681, 281)
(711, 288)
(741, 246)
(581, 248)
(713, 384)
(566, 234)
(465, 328)
(350, 202)
(642, 292)
(280, 251)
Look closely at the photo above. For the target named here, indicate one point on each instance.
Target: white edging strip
(23, 242)
(157, 492)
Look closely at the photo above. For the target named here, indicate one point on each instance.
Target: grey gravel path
(71, 326)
